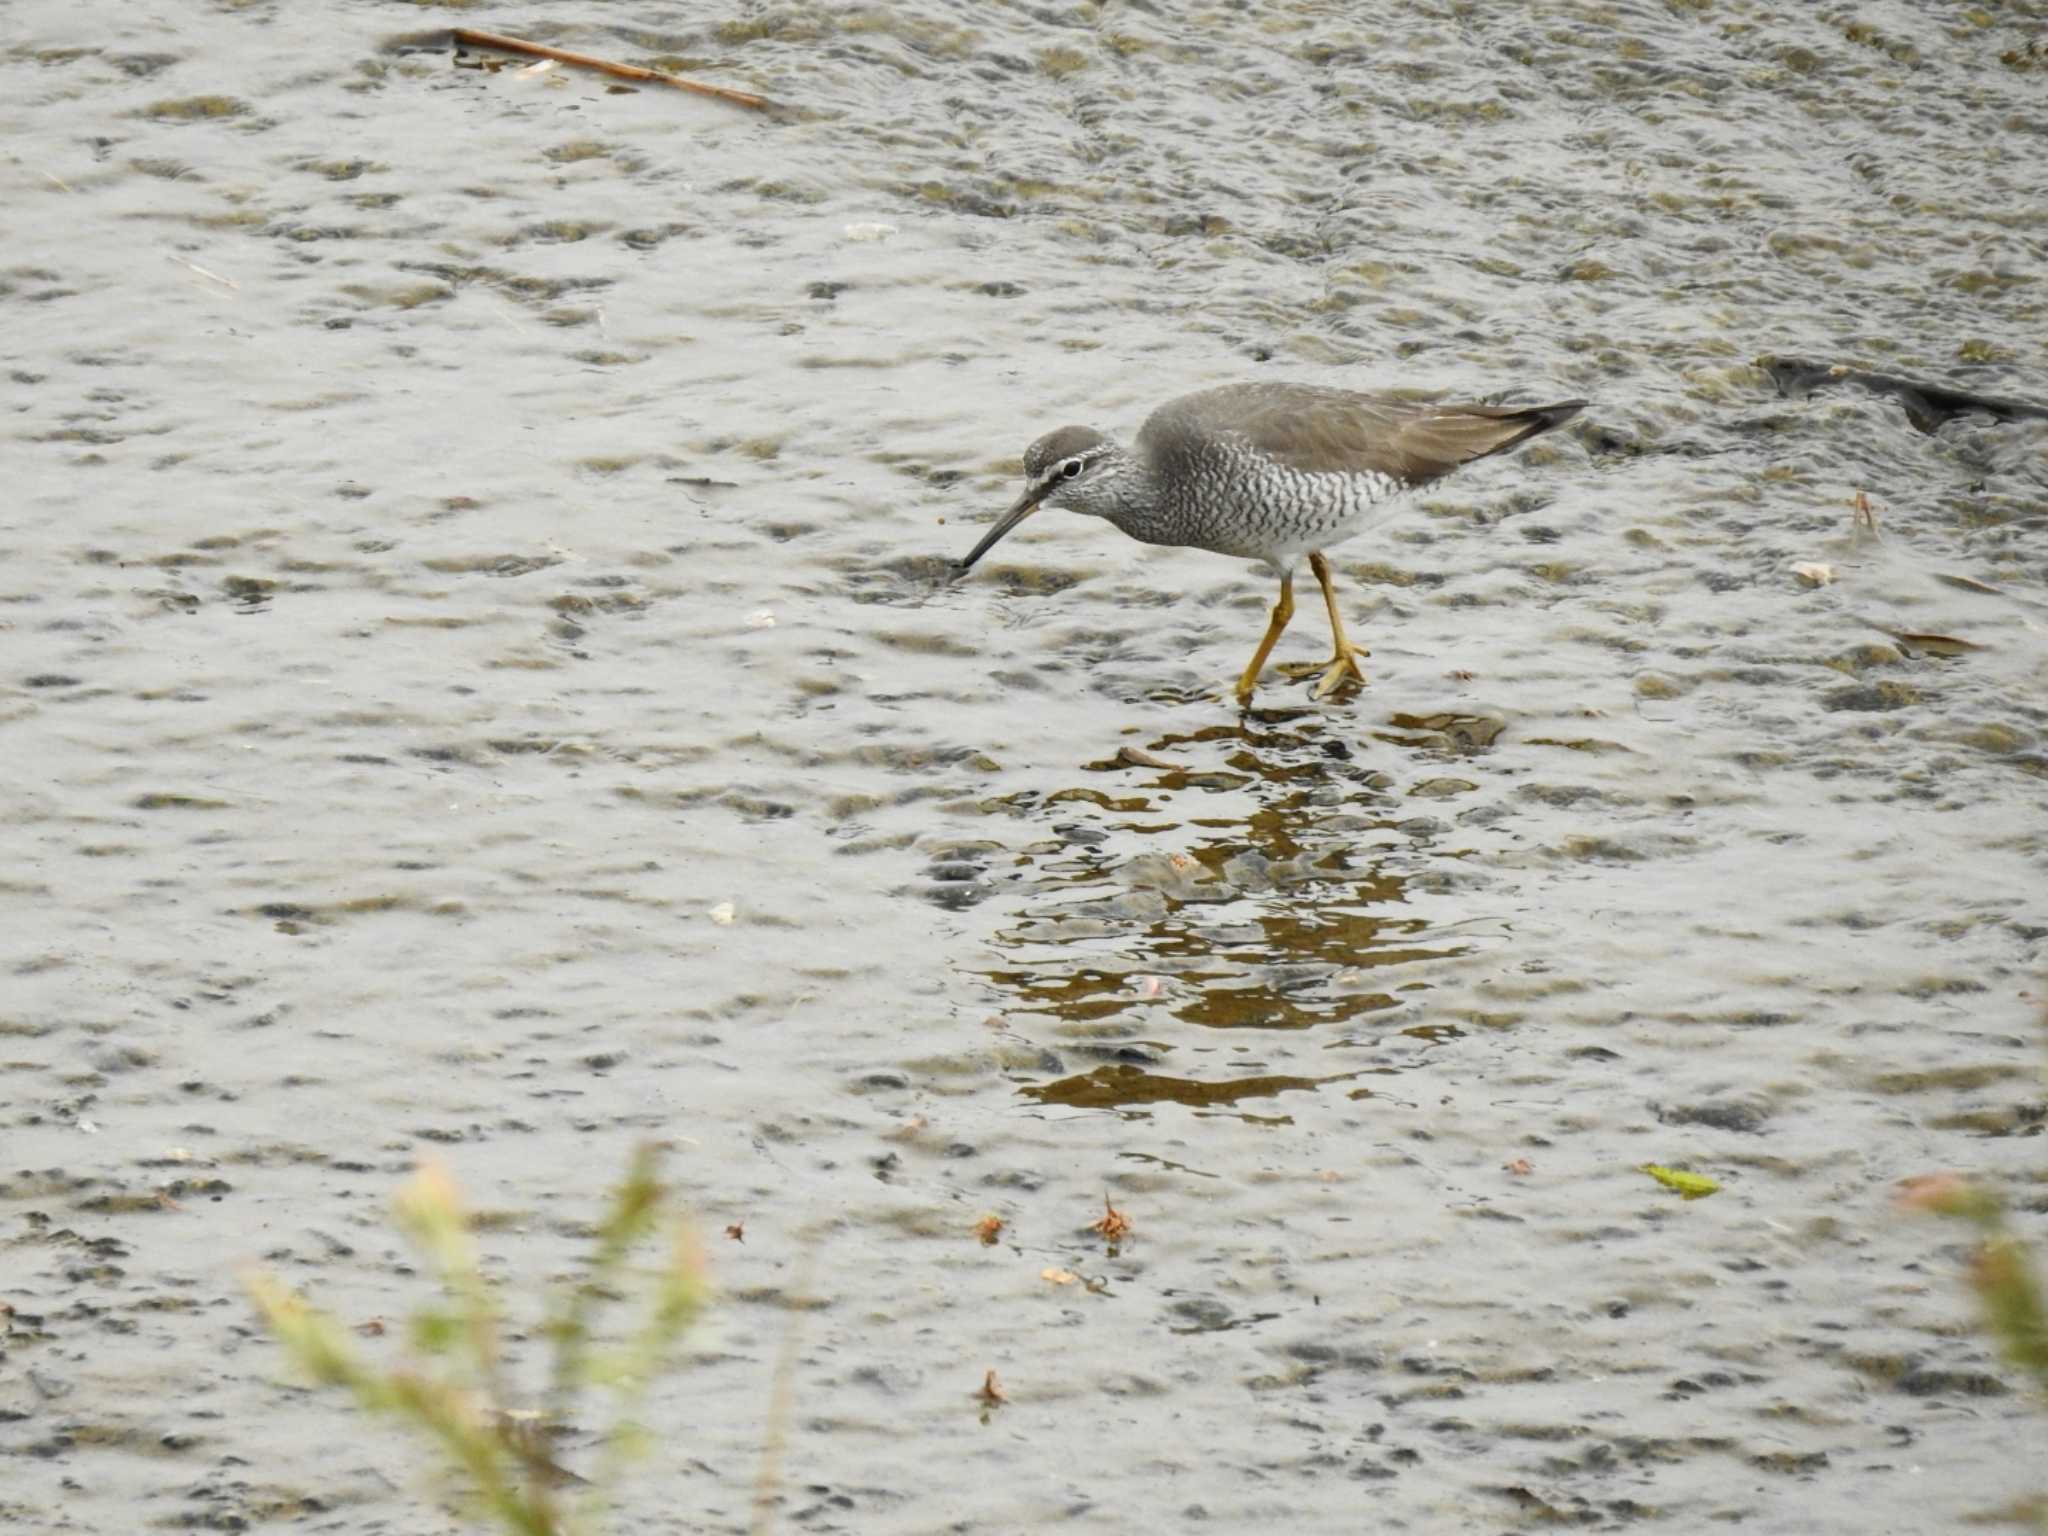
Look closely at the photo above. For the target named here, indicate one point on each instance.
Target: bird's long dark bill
(1026, 505)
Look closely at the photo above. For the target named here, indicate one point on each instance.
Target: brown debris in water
(1138, 757)
(991, 1391)
(475, 39)
(1133, 757)
(1113, 1224)
(988, 1229)
(1945, 646)
(1969, 583)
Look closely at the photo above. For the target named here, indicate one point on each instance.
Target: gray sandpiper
(1267, 472)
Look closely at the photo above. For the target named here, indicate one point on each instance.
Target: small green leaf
(1693, 1186)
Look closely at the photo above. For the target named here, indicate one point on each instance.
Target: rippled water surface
(480, 679)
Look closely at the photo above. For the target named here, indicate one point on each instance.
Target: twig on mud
(504, 44)
(193, 266)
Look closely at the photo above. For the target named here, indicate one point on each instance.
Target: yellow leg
(1282, 612)
(1345, 661)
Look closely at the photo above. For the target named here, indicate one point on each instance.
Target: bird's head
(1069, 468)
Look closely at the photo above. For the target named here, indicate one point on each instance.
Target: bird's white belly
(1278, 514)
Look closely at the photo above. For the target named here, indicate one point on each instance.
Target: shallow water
(468, 527)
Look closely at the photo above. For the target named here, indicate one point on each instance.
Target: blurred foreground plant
(452, 1387)
(2002, 1271)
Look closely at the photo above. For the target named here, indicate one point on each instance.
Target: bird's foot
(1341, 668)
(1345, 661)
(1243, 686)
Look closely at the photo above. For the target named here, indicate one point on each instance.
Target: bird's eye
(1070, 469)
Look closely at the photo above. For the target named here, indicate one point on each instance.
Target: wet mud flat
(481, 681)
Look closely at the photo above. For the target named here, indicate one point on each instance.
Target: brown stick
(625, 71)
(1927, 405)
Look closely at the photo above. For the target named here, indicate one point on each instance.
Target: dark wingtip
(1540, 419)
(1524, 422)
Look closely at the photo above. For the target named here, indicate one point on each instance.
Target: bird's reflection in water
(1244, 880)
(1130, 1088)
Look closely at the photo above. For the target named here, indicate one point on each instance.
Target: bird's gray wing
(1335, 431)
